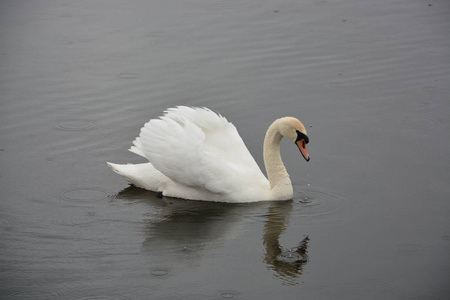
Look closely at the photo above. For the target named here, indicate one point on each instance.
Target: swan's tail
(141, 175)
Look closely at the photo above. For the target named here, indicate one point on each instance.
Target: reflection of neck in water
(288, 264)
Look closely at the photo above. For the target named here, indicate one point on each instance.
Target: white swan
(197, 154)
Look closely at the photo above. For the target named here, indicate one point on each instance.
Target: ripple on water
(100, 297)
(222, 7)
(316, 202)
(5, 225)
(75, 124)
(292, 256)
(128, 75)
(32, 295)
(159, 273)
(84, 194)
(408, 248)
(197, 297)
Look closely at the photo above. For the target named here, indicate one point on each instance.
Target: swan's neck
(280, 183)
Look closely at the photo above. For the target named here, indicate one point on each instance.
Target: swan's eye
(302, 136)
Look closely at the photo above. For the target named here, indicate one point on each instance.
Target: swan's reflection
(287, 263)
(179, 227)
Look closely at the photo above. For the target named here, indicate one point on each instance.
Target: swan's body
(197, 154)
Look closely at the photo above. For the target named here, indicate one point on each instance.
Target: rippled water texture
(370, 215)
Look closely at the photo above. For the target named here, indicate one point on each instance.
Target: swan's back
(201, 150)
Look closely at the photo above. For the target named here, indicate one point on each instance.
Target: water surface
(370, 215)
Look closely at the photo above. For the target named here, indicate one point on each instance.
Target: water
(370, 80)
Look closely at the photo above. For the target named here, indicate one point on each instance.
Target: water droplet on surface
(159, 273)
(227, 295)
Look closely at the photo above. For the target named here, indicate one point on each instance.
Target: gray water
(370, 218)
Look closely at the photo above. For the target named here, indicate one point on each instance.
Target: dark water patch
(75, 125)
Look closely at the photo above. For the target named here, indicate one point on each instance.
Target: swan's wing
(197, 147)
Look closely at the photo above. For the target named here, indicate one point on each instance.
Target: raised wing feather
(197, 147)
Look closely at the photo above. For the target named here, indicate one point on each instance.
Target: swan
(195, 153)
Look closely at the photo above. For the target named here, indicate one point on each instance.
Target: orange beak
(302, 147)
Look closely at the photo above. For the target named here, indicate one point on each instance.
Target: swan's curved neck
(280, 182)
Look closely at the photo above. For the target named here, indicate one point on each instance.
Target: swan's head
(294, 130)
